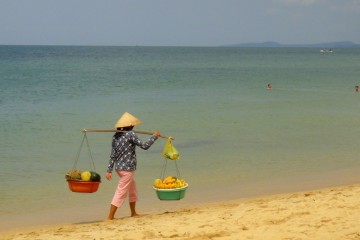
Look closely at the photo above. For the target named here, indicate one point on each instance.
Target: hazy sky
(177, 22)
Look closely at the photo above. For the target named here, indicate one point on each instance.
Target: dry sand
(332, 213)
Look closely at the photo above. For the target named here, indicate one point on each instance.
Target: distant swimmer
(269, 86)
(357, 88)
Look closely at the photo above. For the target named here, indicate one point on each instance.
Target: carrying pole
(110, 130)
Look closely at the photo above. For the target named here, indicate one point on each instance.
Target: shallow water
(236, 138)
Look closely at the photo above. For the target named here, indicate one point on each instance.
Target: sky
(177, 22)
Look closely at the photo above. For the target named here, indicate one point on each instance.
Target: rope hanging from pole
(92, 165)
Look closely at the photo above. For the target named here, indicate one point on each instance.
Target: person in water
(123, 159)
(269, 86)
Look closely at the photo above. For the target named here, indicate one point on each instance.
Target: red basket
(83, 186)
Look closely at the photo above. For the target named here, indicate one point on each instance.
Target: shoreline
(197, 195)
(327, 213)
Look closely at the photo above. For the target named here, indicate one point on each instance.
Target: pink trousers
(125, 186)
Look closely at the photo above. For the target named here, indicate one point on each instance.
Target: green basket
(171, 194)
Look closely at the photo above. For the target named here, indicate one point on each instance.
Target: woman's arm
(144, 144)
(112, 159)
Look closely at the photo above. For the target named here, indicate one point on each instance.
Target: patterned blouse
(123, 154)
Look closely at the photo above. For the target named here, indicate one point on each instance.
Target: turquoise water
(236, 138)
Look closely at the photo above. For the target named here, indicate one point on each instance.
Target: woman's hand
(108, 176)
(156, 133)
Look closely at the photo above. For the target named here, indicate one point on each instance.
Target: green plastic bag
(170, 151)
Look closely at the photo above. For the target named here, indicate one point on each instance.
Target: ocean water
(236, 138)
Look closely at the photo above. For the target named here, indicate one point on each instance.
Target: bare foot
(135, 215)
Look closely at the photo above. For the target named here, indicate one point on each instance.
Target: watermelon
(95, 177)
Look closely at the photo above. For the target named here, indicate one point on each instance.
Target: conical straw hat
(127, 120)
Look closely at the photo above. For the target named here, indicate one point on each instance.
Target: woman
(123, 157)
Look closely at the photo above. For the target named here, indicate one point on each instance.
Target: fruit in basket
(95, 177)
(169, 182)
(86, 176)
(73, 175)
(157, 183)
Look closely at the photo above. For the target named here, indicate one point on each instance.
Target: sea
(236, 138)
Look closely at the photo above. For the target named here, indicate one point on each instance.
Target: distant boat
(326, 50)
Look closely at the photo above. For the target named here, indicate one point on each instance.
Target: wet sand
(331, 213)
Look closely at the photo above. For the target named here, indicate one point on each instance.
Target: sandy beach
(331, 213)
